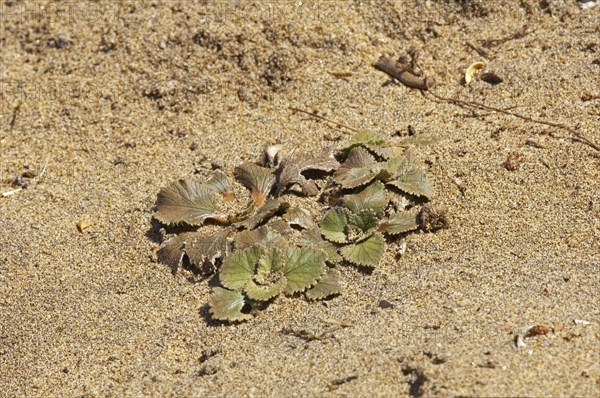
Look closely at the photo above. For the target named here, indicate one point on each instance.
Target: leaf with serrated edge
(400, 222)
(385, 152)
(367, 253)
(172, 250)
(265, 292)
(312, 238)
(239, 267)
(226, 305)
(364, 137)
(270, 207)
(333, 225)
(263, 235)
(187, 201)
(371, 197)
(268, 280)
(358, 169)
(303, 266)
(221, 184)
(291, 169)
(365, 220)
(207, 248)
(299, 216)
(328, 285)
(413, 180)
(259, 180)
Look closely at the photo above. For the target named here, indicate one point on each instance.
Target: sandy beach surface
(104, 103)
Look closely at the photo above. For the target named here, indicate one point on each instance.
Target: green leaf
(364, 137)
(264, 235)
(411, 178)
(259, 180)
(207, 248)
(222, 185)
(371, 197)
(386, 152)
(367, 253)
(266, 211)
(333, 226)
(239, 267)
(300, 217)
(303, 266)
(312, 238)
(291, 169)
(269, 280)
(328, 285)
(258, 292)
(187, 201)
(358, 169)
(226, 305)
(365, 220)
(401, 222)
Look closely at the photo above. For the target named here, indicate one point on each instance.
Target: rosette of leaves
(369, 157)
(357, 227)
(215, 202)
(255, 275)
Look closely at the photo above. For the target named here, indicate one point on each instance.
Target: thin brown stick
(578, 136)
(387, 66)
(293, 109)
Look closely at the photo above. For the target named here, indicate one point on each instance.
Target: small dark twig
(323, 118)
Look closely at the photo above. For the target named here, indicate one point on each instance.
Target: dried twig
(323, 118)
(387, 65)
(405, 77)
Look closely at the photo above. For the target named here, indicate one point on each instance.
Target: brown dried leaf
(359, 168)
(259, 180)
(264, 236)
(172, 250)
(292, 167)
(267, 211)
(221, 184)
(201, 249)
(299, 216)
(188, 201)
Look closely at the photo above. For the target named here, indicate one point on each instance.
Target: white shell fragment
(472, 71)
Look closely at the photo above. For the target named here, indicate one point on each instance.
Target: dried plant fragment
(222, 185)
(263, 235)
(259, 180)
(400, 222)
(372, 197)
(227, 305)
(201, 249)
(188, 201)
(433, 217)
(359, 168)
(292, 167)
(472, 70)
(303, 266)
(270, 156)
(269, 208)
(328, 285)
(412, 179)
(367, 253)
(300, 217)
(334, 225)
(312, 238)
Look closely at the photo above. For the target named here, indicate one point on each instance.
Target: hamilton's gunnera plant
(270, 244)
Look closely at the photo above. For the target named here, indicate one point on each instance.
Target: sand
(112, 102)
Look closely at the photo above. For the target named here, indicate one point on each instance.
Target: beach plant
(261, 246)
